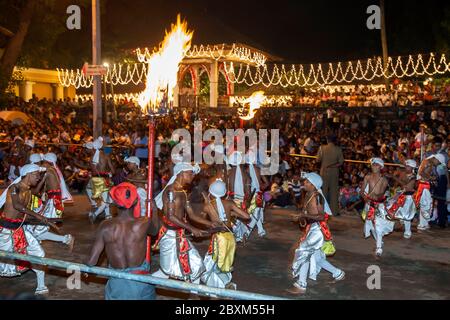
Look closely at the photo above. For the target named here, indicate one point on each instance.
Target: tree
(26, 9)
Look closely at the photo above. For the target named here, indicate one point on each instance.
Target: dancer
(220, 256)
(309, 257)
(178, 257)
(402, 206)
(373, 193)
(426, 176)
(239, 188)
(14, 237)
(98, 187)
(256, 209)
(54, 188)
(138, 177)
(124, 240)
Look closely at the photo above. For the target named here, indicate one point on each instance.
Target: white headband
(377, 161)
(134, 160)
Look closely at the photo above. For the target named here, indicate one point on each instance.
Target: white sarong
(308, 252)
(9, 241)
(170, 262)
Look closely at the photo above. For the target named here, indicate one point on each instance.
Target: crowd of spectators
(394, 134)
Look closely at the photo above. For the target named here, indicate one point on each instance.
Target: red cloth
(397, 205)
(20, 243)
(57, 198)
(120, 196)
(325, 228)
(422, 186)
(183, 248)
(372, 207)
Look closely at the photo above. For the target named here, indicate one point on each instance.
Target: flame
(255, 101)
(163, 66)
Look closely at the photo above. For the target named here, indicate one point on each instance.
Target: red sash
(397, 205)
(57, 198)
(372, 207)
(422, 186)
(325, 228)
(20, 243)
(182, 248)
(260, 199)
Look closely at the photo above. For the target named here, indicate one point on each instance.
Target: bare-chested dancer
(238, 186)
(220, 256)
(258, 184)
(178, 257)
(15, 202)
(53, 207)
(373, 192)
(309, 257)
(402, 205)
(138, 177)
(124, 240)
(426, 176)
(98, 187)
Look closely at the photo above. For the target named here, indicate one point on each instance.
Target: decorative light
(267, 102)
(313, 75)
(216, 52)
(254, 70)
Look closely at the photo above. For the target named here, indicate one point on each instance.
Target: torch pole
(422, 143)
(241, 123)
(151, 168)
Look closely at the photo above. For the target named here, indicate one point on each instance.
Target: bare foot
(296, 290)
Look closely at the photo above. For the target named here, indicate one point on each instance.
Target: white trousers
(257, 219)
(33, 248)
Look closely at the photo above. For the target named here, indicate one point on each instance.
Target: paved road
(418, 268)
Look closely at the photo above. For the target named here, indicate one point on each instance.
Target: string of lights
(267, 101)
(276, 74)
(117, 74)
(216, 52)
(320, 74)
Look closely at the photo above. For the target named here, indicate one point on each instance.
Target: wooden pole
(151, 168)
(384, 44)
(96, 58)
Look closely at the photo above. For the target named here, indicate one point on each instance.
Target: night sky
(297, 31)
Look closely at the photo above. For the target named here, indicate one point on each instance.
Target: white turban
(411, 163)
(26, 169)
(177, 158)
(51, 157)
(36, 157)
(30, 143)
(179, 167)
(219, 189)
(250, 159)
(65, 194)
(134, 160)
(377, 161)
(439, 157)
(235, 159)
(317, 182)
(97, 145)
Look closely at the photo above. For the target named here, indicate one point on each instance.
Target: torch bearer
(156, 99)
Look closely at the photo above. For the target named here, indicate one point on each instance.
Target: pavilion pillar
(26, 90)
(58, 91)
(196, 80)
(214, 85)
(176, 96)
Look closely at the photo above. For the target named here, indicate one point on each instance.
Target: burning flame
(163, 66)
(255, 101)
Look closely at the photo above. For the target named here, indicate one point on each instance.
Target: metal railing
(166, 283)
